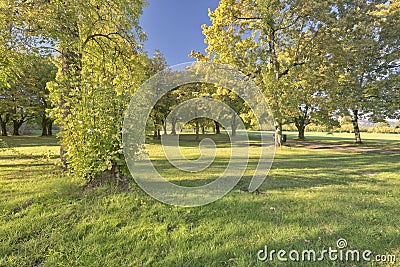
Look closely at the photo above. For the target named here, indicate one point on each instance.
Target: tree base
(110, 179)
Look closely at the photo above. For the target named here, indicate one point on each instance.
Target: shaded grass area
(310, 199)
(383, 141)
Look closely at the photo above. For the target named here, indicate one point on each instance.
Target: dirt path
(345, 148)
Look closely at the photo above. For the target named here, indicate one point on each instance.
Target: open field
(312, 198)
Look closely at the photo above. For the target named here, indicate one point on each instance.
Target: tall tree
(266, 40)
(387, 16)
(359, 59)
(100, 64)
(43, 71)
(310, 96)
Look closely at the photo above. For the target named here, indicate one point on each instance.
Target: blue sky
(174, 27)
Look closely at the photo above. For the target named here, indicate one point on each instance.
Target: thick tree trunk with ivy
(100, 66)
(356, 128)
(64, 110)
(70, 68)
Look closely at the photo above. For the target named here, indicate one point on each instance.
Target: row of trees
(23, 93)
(316, 61)
(83, 60)
(97, 52)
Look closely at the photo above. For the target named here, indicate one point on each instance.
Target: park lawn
(310, 199)
(387, 141)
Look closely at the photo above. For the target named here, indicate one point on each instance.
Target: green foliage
(100, 65)
(314, 60)
(281, 46)
(23, 90)
(362, 58)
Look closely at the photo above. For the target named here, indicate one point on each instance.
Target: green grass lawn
(310, 199)
(370, 140)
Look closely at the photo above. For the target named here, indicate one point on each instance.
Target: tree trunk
(16, 125)
(71, 65)
(300, 125)
(3, 124)
(301, 133)
(203, 130)
(217, 128)
(356, 128)
(234, 124)
(164, 125)
(233, 130)
(115, 173)
(44, 125)
(197, 130)
(3, 129)
(64, 114)
(173, 125)
(64, 110)
(278, 133)
(157, 131)
(50, 128)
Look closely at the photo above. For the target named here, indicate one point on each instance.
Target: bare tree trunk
(356, 127)
(44, 125)
(300, 125)
(164, 125)
(278, 133)
(16, 125)
(173, 124)
(217, 128)
(197, 130)
(3, 124)
(234, 123)
(301, 130)
(50, 128)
